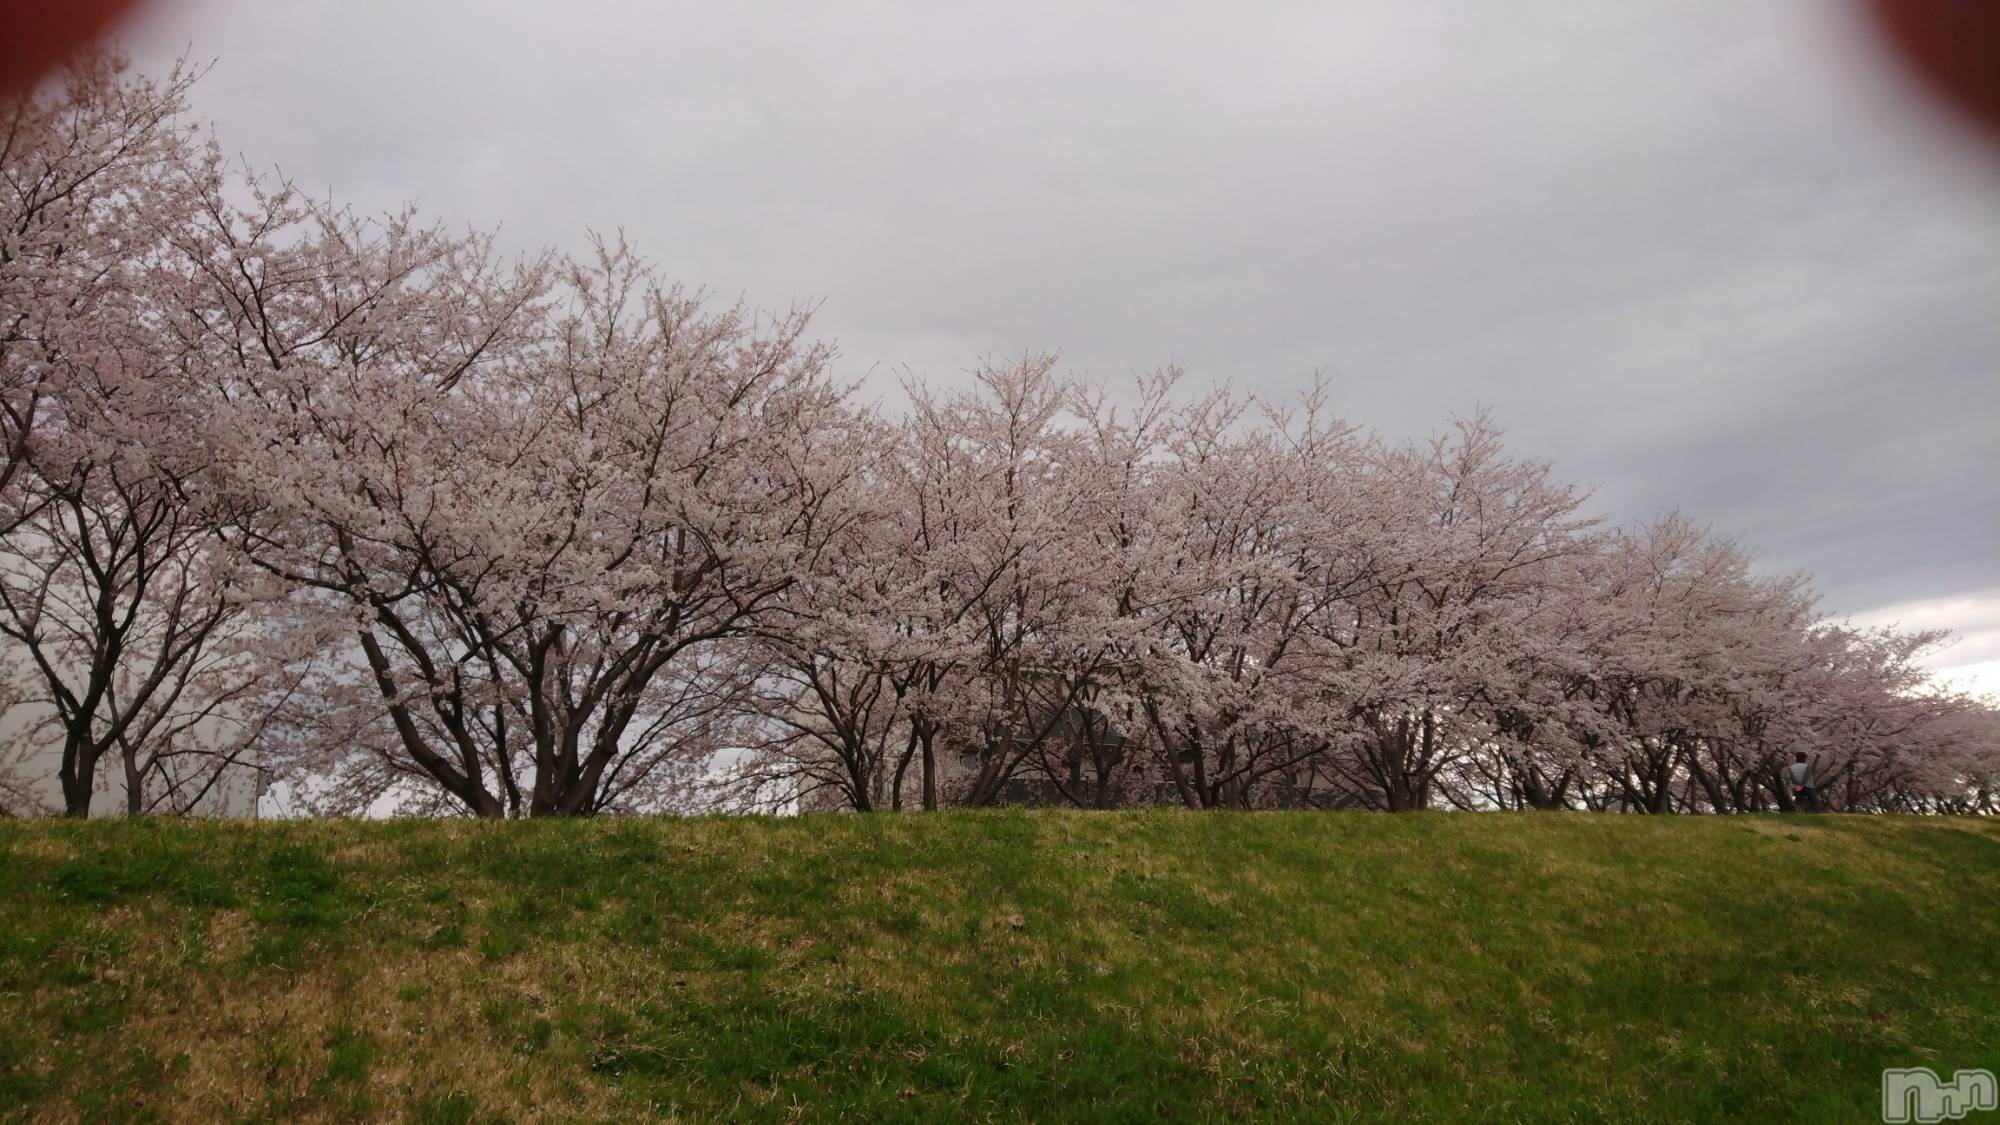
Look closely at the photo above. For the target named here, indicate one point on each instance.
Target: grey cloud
(1705, 255)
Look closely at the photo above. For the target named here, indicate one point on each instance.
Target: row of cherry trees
(410, 524)
(1205, 600)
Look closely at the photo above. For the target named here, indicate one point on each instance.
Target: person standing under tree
(1803, 797)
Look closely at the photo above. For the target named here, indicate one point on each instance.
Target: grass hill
(978, 966)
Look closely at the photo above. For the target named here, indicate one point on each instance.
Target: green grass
(962, 966)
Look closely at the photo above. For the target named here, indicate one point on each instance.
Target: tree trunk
(77, 774)
(135, 785)
(930, 774)
(76, 794)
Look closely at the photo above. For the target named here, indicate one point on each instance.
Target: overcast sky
(1713, 255)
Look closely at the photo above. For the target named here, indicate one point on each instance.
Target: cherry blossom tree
(548, 502)
(135, 633)
(84, 194)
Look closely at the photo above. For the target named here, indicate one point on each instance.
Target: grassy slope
(1079, 966)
